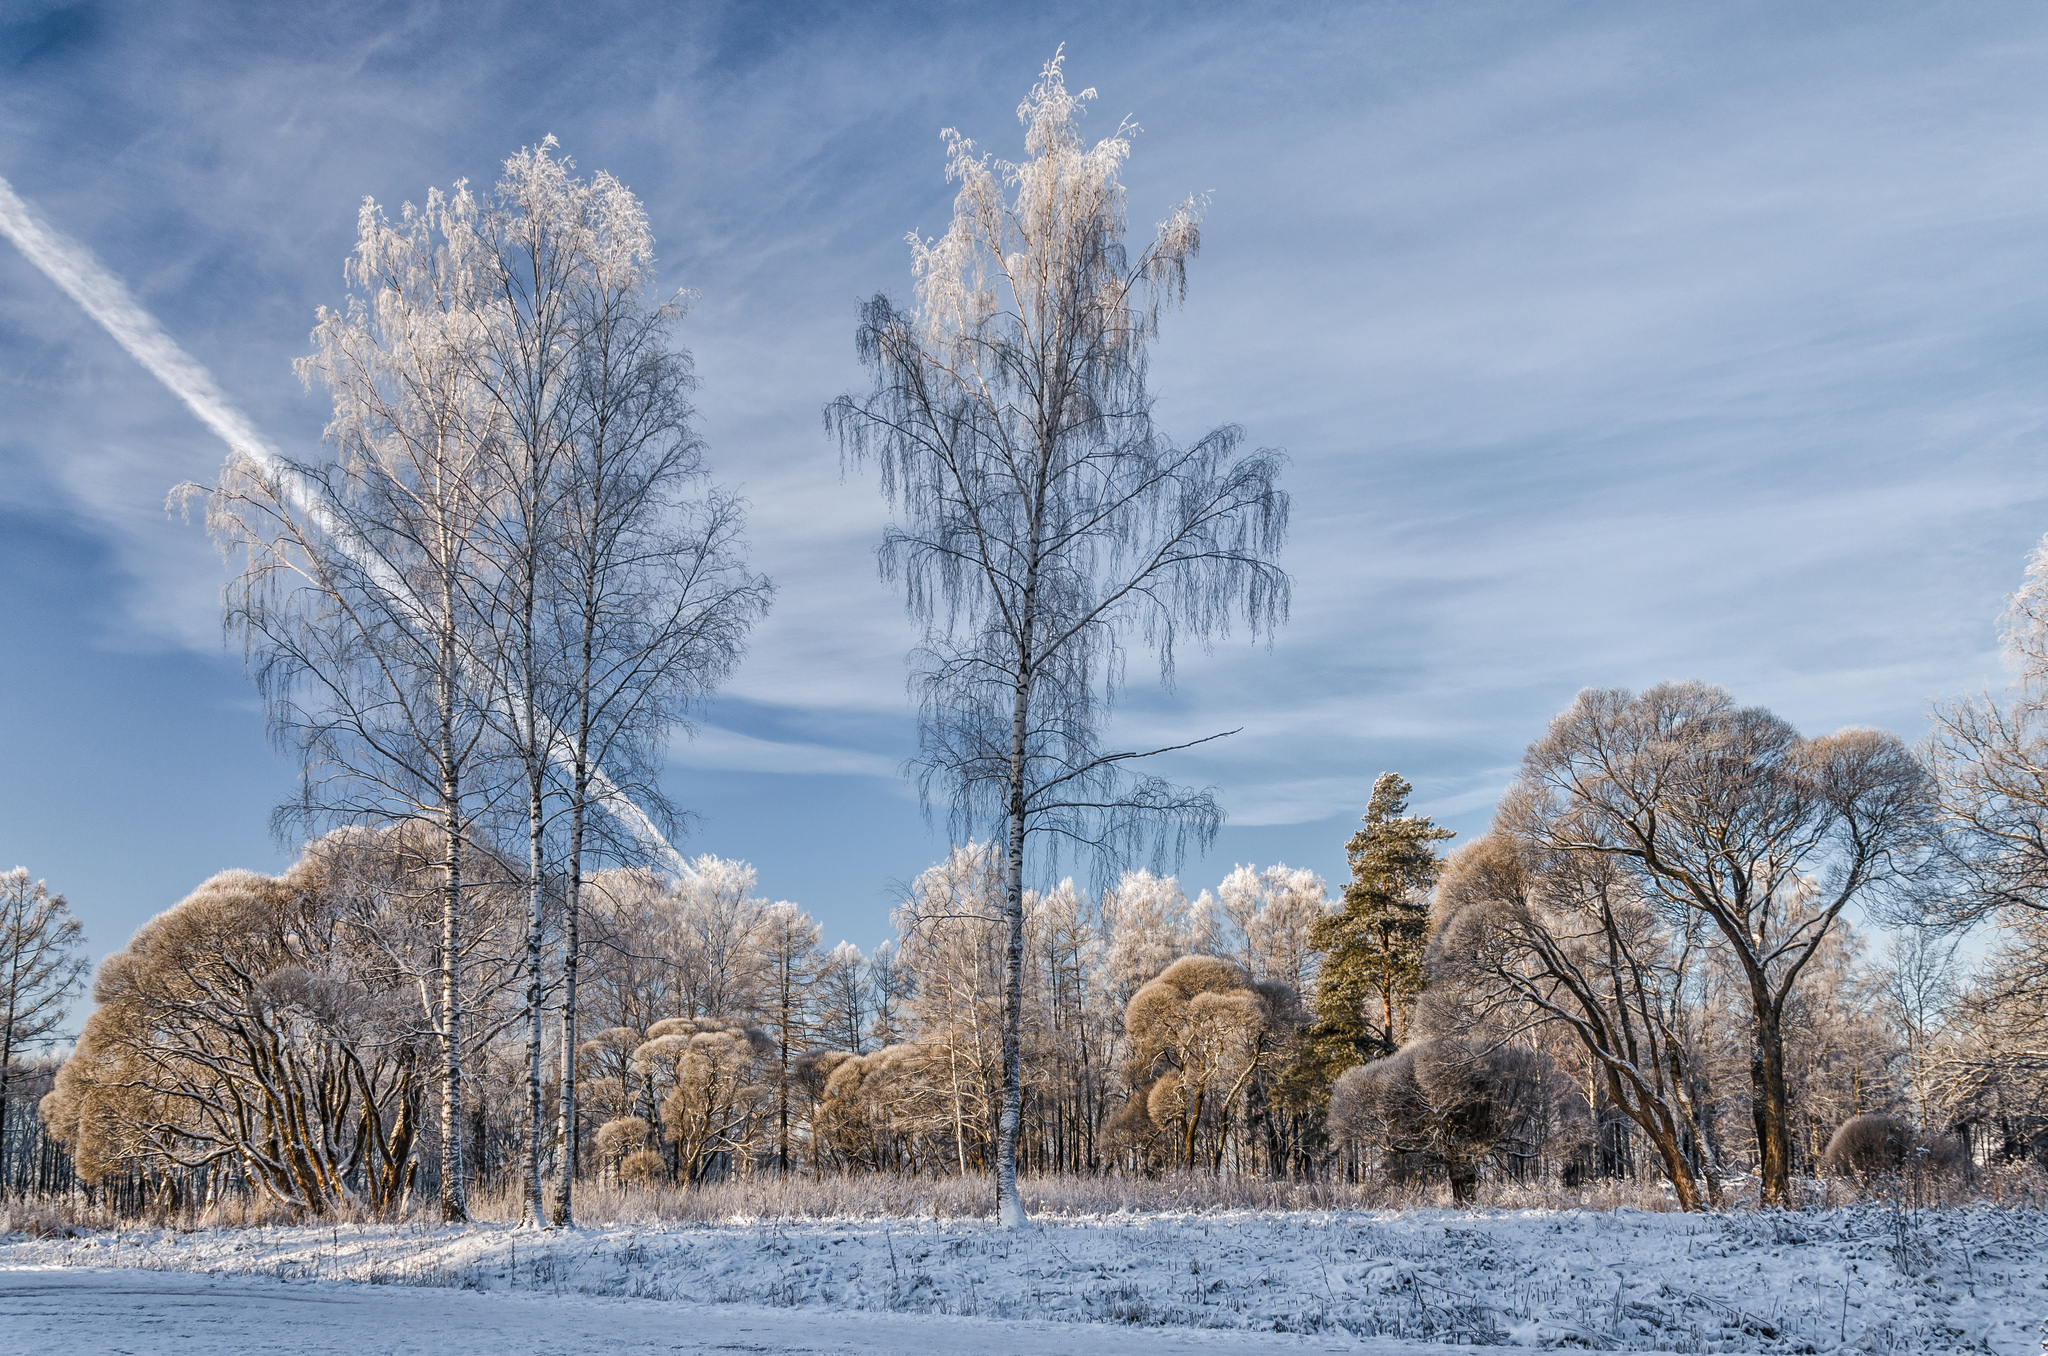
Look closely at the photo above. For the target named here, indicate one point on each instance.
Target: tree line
(1538, 1006)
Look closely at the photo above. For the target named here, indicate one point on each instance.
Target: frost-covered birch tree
(652, 598)
(1045, 524)
(365, 584)
(540, 229)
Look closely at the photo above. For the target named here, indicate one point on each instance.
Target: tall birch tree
(365, 585)
(1045, 525)
(540, 231)
(652, 597)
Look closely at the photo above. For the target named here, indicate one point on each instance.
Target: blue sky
(1610, 343)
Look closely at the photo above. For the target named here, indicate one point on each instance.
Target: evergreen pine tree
(1372, 949)
(1372, 967)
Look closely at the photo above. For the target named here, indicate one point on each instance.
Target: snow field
(178, 1314)
(1866, 1279)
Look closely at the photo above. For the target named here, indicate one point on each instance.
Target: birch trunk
(579, 802)
(564, 1213)
(782, 1082)
(535, 1210)
(454, 1185)
(1009, 1205)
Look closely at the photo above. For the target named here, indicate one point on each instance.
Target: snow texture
(1858, 1280)
(128, 1311)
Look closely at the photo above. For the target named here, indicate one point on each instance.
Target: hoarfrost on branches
(1045, 523)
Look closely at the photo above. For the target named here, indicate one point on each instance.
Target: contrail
(107, 300)
(71, 266)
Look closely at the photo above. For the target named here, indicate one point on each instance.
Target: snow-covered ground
(187, 1315)
(1863, 1280)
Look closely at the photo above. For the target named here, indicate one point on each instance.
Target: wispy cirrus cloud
(1608, 346)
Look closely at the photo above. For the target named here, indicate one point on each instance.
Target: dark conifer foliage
(1373, 949)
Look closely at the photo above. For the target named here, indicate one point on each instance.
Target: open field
(130, 1311)
(1861, 1279)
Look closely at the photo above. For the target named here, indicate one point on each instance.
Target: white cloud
(730, 751)
(1609, 347)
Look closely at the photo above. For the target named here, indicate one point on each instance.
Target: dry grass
(44, 1217)
(767, 1197)
(36, 1219)
(1065, 1197)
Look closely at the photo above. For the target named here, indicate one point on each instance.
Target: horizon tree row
(1522, 1012)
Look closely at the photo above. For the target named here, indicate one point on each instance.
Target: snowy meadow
(1853, 1279)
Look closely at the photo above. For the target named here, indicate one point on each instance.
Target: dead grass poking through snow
(887, 1197)
(878, 1197)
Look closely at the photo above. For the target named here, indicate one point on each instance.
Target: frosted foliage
(693, 945)
(1269, 916)
(1043, 253)
(967, 885)
(1045, 523)
(2026, 623)
(1150, 923)
(951, 926)
(786, 930)
(1061, 920)
(719, 920)
(409, 340)
(598, 222)
(949, 950)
